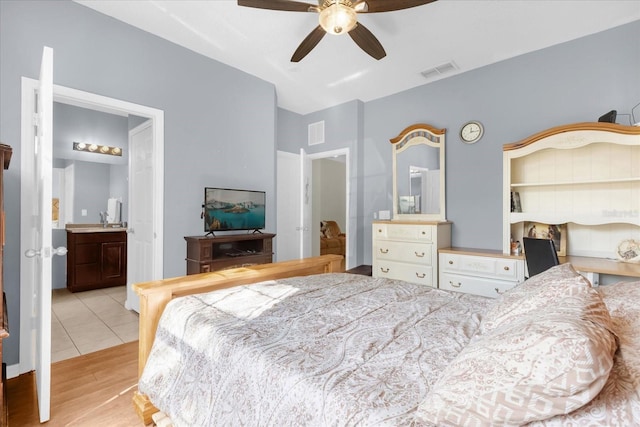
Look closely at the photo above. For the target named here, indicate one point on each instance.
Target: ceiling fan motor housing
(337, 16)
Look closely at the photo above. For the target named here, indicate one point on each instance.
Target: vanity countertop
(94, 228)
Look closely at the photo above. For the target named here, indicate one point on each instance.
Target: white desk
(593, 267)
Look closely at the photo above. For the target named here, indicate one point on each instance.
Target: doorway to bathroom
(90, 187)
(153, 255)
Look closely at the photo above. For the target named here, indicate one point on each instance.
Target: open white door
(288, 219)
(140, 238)
(306, 204)
(39, 256)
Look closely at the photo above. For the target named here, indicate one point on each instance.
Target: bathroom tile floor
(84, 322)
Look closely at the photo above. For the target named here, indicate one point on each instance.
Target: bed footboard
(155, 295)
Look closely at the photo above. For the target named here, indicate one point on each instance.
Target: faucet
(104, 219)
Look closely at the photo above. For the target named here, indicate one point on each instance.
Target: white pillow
(538, 292)
(546, 362)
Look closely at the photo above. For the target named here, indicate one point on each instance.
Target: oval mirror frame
(419, 207)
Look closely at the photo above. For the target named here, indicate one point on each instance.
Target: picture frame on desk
(555, 232)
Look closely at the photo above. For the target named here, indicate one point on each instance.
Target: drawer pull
(421, 276)
(419, 255)
(506, 268)
(455, 285)
(379, 230)
(384, 270)
(384, 251)
(498, 291)
(450, 262)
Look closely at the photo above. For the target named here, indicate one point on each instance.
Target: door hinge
(35, 117)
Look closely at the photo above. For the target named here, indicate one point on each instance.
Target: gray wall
(211, 112)
(573, 82)
(74, 124)
(344, 126)
(91, 191)
(93, 186)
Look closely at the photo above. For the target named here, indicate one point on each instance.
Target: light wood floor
(94, 390)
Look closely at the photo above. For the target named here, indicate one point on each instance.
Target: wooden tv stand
(211, 253)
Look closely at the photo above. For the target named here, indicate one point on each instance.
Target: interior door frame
(350, 239)
(95, 102)
(306, 204)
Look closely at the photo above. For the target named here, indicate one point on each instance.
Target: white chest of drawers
(479, 272)
(408, 250)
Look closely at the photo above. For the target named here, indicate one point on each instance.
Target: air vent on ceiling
(316, 133)
(439, 70)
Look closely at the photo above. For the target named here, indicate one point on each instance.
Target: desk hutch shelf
(585, 175)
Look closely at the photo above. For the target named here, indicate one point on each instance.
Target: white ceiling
(471, 33)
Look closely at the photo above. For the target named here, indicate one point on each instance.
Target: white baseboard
(131, 307)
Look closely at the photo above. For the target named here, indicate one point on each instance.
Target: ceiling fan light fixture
(338, 18)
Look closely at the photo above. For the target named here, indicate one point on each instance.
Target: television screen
(227, 209)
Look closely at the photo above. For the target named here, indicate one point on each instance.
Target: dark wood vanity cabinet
(96, 259)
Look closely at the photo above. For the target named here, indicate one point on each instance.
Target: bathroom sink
(94, 228)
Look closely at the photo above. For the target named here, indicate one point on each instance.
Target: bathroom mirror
(418, 174)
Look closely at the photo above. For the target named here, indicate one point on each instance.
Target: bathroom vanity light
(95, 148)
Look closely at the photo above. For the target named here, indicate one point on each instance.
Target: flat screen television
(227, 209)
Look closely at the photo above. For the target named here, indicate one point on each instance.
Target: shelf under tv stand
(211, 253)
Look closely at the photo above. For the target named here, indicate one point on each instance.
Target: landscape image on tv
(226, 209)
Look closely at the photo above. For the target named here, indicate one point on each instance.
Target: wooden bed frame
(155, 295)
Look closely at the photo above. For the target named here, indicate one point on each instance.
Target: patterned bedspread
(335, 349)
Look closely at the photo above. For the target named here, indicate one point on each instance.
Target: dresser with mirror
(406, 247)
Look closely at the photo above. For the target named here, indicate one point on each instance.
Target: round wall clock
(471, 132)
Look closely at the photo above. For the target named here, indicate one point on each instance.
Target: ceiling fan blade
(373, 6)
(308, 44)
(367, 41)
(291, 6)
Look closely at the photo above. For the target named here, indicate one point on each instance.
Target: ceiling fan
(337, 17)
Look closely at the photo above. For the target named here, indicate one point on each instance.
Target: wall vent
(439, 70)
(316, 133)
